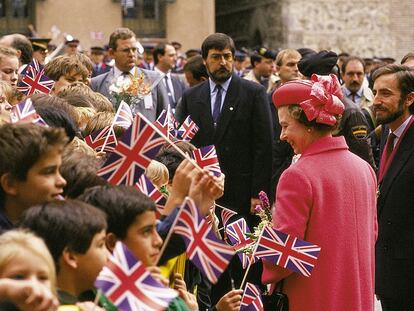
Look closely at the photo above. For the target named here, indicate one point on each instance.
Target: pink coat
(329, 198)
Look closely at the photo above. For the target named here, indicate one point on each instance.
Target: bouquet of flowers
(264, 211)
(132, 91)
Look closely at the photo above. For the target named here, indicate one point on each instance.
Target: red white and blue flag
(287, 251)
(204, 249)
(127, 283)
(97, 139)
(137, 147)
(145, 186)
(35, 81)
(26, 113)
(226, 214)
(251, 300)
(236, 234)
(166, 123)
(188, 129)
(206, 157)
(123, 116)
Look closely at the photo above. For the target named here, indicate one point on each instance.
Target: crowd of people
(328, 137)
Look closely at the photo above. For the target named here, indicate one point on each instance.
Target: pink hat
(319, 97)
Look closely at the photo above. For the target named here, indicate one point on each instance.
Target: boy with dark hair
(131, 220)
(74, 232)
(30, 159)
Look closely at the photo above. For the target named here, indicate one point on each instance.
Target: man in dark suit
(123, 49)
(394, 251)
(165, 58)
(232, 114)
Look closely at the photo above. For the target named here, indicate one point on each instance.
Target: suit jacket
(179, 88)
(242, 137)
(395, 245)
(102, 83)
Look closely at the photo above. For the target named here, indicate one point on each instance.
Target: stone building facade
(367, 28)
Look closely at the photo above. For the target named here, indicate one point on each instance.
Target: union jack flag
(204, 249)
(188, 129)
(166, 123)
(26, 113)
(127, 283)
(96, 140)
(251, 300)
(123, 116)
(139, 144)
(206, 157)
(34, 80)
(236, 233)
(226, 214)
(287, 251)
(145, 186)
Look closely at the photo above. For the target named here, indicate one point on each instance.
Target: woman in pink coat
(328, 198)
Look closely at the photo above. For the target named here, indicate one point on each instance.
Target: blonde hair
(99, 101)
(286, 53)
(83, 115)
(6, 90)
(14, 242)
(157, 173)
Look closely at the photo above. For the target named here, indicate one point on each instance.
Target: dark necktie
(353, 97)
(389, 147)
(170, 96)
(217, 105)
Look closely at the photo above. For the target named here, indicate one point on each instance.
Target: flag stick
(171, 143)
(252, 256)
(170, 232)
(97, 297)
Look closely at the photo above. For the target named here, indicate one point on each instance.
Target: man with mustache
(234, 115)
(394, 251)
(353, 74)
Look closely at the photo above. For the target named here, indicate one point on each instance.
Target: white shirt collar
(168, 74)
(118, 73)
(400, 130)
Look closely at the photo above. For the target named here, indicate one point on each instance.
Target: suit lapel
(106, 83)
(405, 149)
(229, 107)
(204, 108)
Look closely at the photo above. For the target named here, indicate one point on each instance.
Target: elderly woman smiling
(327, 198)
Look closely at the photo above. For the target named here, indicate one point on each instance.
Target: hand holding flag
(128, 284)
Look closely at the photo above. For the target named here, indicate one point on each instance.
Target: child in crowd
(75, 233)
(30, 159)
(65, 70)
(158, 174)
(6, 92)
(27, 273)
(131, 219)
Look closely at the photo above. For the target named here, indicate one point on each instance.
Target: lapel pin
(231, 108)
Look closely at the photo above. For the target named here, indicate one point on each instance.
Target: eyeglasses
(128, 50)
(228, 57)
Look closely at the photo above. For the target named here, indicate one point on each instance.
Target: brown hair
(120, 33)
(64, 65)
(286, 53)
(6, 51)
(22, 145)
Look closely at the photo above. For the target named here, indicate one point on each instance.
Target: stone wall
(367, 28)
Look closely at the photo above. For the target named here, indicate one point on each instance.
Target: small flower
(258, 209)
(264, 199)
